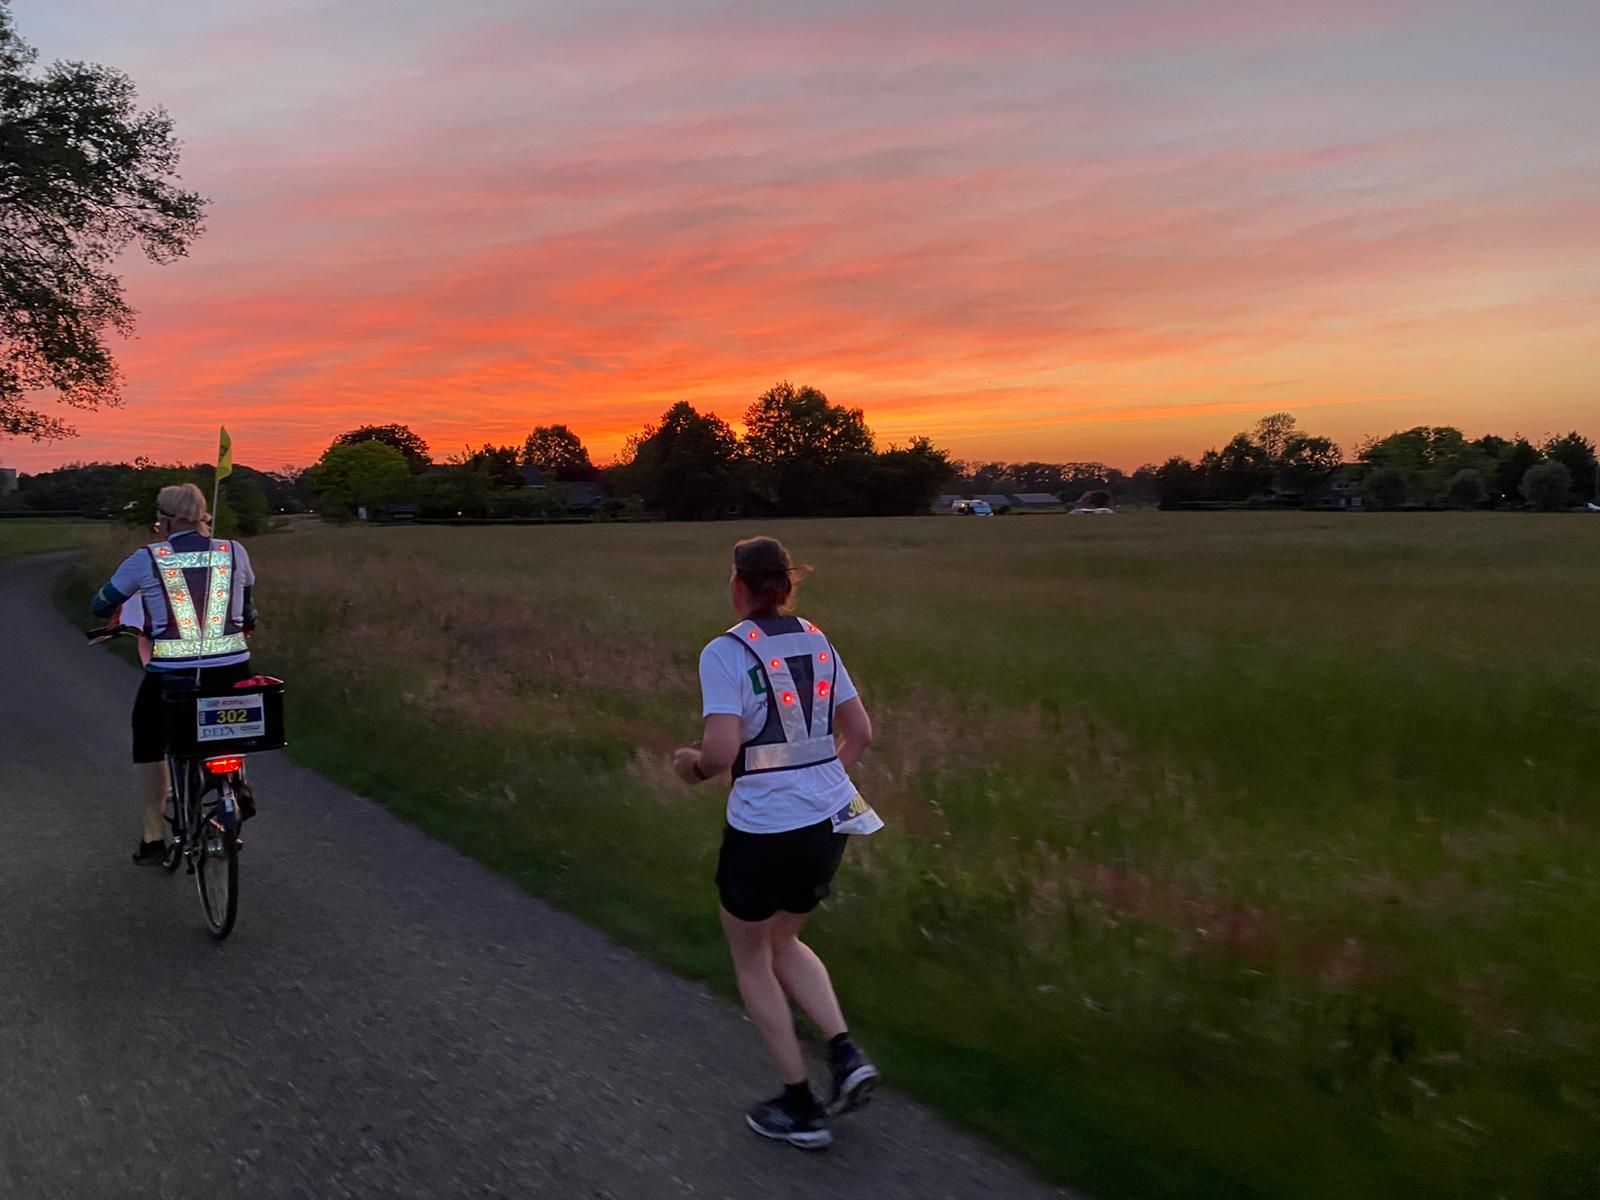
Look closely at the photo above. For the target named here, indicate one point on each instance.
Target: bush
(1548, 487)
(1386, 487)
(1466, 489)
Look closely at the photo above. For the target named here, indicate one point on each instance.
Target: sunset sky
(1027, 228)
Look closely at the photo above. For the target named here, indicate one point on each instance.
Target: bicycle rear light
(224, 766)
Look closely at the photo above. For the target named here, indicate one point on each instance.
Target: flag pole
(224, 469)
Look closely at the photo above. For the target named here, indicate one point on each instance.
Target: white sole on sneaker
(820, 1139)
(857, 1089)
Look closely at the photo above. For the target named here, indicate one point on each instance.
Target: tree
(1511, 461)
(1467, 489)
(360, 475)
(464, 489)
(243, 509)
(1238, 471)
(1305, 460)
(400, 437)
(1430, 455)
(1386, 487)
(500, 463)
(809, 454)
(1576, 453)
(904, 481)
(83, 173)
(559, 453)
(1176, 481)
(1273, 433)
(1548, 487)
(685, 467)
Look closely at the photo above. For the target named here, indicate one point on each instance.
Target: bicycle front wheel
(217, 876)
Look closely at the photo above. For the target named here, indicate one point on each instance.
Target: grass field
(30, 536)
(1228, 855)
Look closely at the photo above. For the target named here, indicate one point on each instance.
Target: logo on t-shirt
(758, 681)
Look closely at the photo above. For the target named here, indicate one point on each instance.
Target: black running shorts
(760, 874)
(149, 713)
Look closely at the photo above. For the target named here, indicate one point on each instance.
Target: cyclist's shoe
(151, 854)
(854, 1077)
(783, 1122)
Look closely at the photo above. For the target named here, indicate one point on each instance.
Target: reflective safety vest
(183, 576)
(795, 663)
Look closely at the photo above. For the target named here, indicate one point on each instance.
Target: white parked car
(972, 508)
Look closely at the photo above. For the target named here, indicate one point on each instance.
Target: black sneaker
(773, 1119)
(853, 1080)
(151, 854)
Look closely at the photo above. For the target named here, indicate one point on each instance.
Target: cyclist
(781, 712)
(197, 594)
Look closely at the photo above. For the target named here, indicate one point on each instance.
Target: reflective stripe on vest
(787, 741)
(185, 638)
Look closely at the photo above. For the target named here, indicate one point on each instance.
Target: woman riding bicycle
(781, 711)
(198, 598)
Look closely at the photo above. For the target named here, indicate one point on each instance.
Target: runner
(782, 713)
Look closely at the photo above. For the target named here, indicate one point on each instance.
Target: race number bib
(222, 718)
(857, 817)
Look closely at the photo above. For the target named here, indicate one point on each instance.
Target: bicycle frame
(191, 784)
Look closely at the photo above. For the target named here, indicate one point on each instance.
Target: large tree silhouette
(83, 173)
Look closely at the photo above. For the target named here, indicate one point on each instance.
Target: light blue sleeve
(244, 575)
(127, 581)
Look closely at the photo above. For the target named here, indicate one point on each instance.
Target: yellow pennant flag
(224, 456)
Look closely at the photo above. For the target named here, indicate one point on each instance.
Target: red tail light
(224, 766)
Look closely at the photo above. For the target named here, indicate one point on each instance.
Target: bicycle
(210, 731)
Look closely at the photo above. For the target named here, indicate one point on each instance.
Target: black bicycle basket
(226, 720)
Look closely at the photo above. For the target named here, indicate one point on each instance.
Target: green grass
(39, 536)
(1228, 855)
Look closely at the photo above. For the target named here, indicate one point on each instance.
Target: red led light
(224, 766)
(822, 689)
(788, 697)
(754, 634)
(776, 663)
(822, 657)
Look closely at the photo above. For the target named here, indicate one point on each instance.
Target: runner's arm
(852, 731)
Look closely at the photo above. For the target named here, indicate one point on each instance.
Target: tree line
(801, 455)
(1424, 467)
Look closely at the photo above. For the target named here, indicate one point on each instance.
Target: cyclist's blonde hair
(184, 504)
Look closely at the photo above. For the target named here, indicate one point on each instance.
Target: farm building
(1036, 502)
(1340, 490)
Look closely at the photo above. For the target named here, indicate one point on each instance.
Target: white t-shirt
(731, 682)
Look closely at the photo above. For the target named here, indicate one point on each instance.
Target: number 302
(232, 716)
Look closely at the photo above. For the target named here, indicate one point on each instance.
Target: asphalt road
(388, 1020)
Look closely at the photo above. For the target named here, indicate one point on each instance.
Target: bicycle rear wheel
(217, 876)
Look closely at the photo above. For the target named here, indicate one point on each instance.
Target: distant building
(8, 480)
(1341, 490)
(1037, 502)
(943, 505)
(583, 497)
